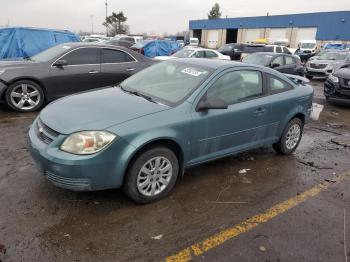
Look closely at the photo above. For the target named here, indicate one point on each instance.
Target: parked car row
(239, 51)
(65, 69)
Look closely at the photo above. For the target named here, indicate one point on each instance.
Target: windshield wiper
(138, 94)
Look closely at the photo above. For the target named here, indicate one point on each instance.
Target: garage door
(252, 35)
(306, 34)
(277, 34)
(213, 38)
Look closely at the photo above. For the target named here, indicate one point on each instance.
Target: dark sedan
(284, 63)
(337, 86)
(26, 85)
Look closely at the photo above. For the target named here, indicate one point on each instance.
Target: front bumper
(102, 170)
(318, 72)
(334, 92)
(3, 87)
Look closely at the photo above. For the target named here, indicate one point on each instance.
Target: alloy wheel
(25, 96)
(154, 176)
(293, 136)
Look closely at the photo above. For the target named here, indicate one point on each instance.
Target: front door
(244, 124)
(81, 73)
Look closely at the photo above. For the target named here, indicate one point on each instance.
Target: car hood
(343, 73)
(96, 110)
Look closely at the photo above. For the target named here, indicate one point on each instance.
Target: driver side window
(237, 86)
(83, 56)
(278, 60)
(199, 54)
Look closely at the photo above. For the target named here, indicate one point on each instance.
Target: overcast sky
(157, 16)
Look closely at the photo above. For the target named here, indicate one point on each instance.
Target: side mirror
(60, 63)
(274, 65)
(211, 103)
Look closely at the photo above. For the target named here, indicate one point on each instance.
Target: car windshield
(258, 59)
(333, 56)
(167, 82)
(50, 53)
(334, 46)
(184, 53)
(308, 45)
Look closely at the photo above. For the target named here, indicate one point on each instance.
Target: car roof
(214, 63)
(93, 44)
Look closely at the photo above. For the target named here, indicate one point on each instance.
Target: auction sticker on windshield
(192, 71)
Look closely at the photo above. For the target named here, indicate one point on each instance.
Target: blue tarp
(24, 42)
(160, 48)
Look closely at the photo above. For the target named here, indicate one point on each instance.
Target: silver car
(323, 66)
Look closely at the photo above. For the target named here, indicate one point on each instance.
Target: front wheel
(25, 96)
(290, 138)
(151, 175)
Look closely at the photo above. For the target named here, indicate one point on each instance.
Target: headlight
(87, 142)
(333, 78)
(2, 71)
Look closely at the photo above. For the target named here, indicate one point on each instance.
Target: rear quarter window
(277, 85)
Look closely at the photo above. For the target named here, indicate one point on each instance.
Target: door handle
(130, 69)
(260, 111)
(93, 72)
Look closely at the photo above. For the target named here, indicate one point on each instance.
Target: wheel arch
(166, 142)
(25, 78)
(299, 115)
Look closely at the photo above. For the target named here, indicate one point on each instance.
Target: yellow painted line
(213, 241)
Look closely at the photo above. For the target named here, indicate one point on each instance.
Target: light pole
(92, 24)
(106, 19)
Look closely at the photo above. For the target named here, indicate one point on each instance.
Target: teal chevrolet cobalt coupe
(142, 134)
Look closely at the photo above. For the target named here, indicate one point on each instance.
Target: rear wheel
(290, 138)
(152, 175)
(25, 96)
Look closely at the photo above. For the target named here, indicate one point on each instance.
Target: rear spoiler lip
(298, 79)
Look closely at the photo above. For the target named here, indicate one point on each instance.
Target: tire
(138, 185)
(286, 146)
(25, 96)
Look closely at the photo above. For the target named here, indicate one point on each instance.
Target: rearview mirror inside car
(274, 65)
(60, 63)
(211, 103)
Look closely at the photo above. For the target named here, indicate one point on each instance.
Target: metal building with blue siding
(323, 26)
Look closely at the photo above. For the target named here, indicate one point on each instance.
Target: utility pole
(92, 24)
(106, 19)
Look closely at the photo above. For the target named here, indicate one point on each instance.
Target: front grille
(345, 83)
(318, 66)
(45, 133)
(69, 183)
